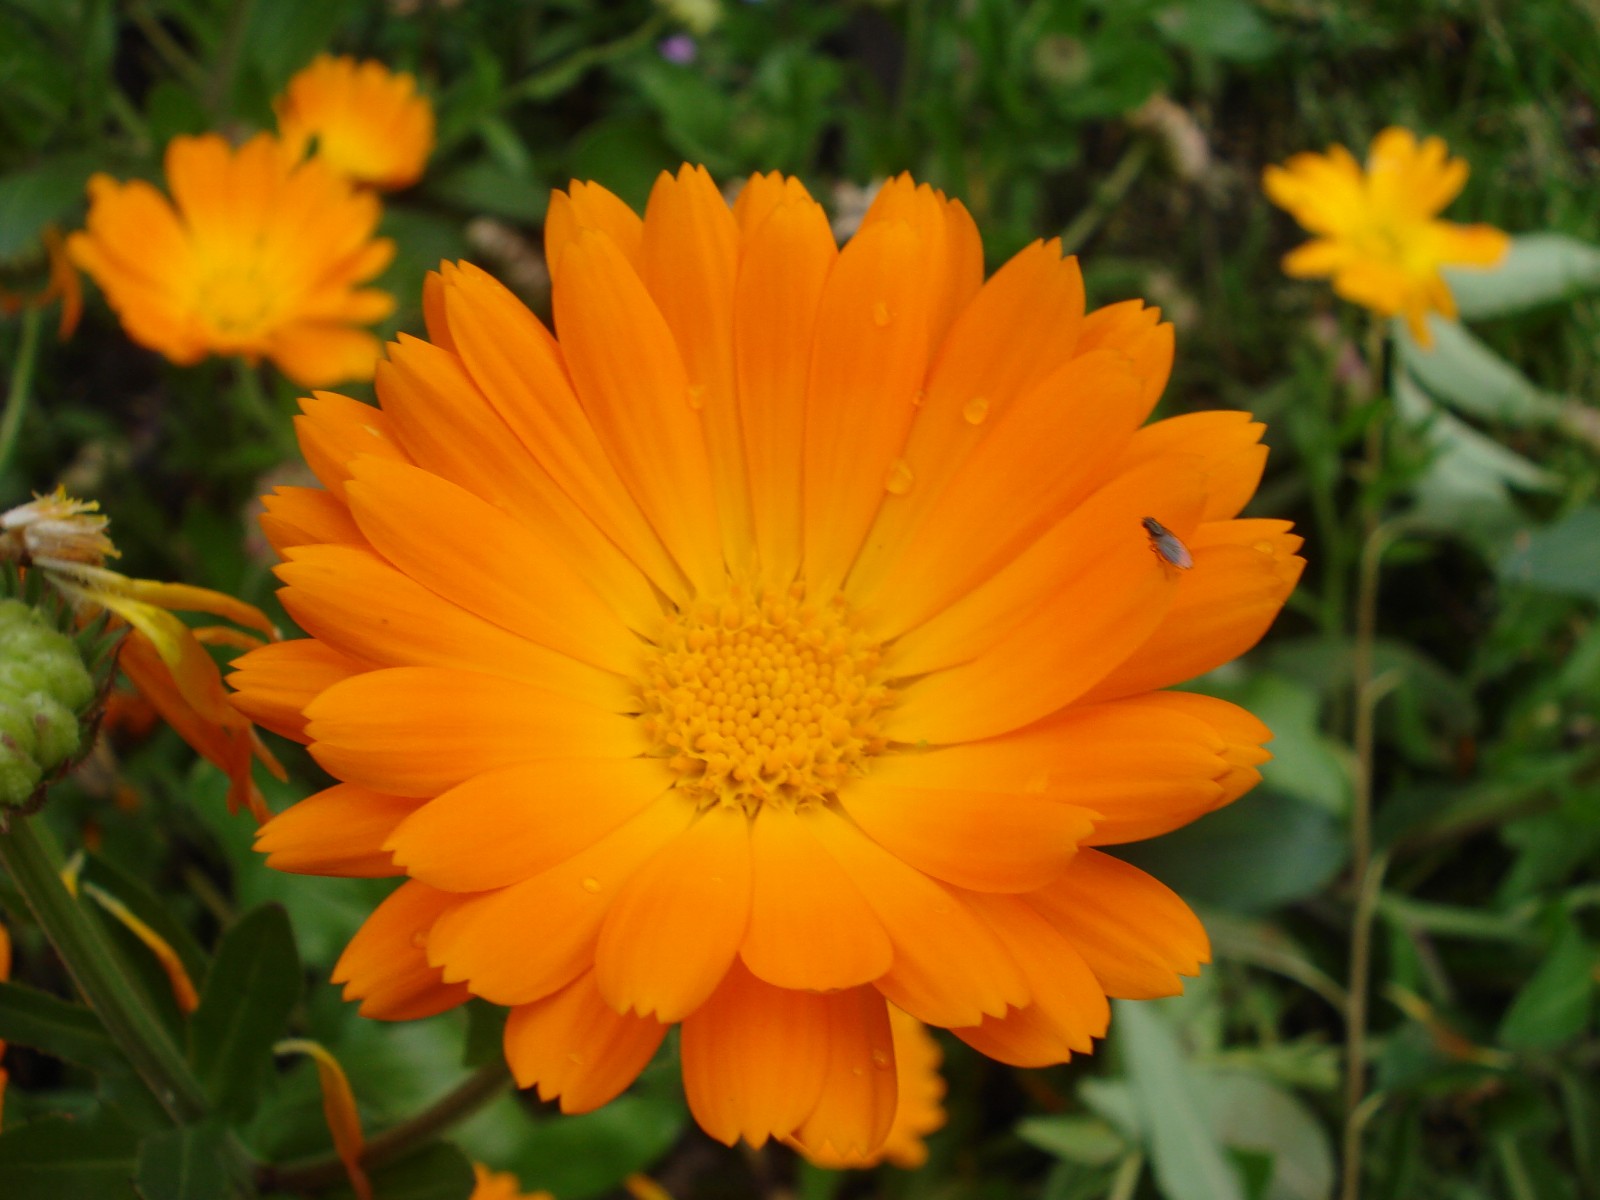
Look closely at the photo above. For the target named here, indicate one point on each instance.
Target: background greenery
(1486, 766)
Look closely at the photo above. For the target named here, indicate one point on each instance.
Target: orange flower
(917, 1109)
(258, 257)
(1375, 233)
(5, 974)
(774, 647)
(65, 541)
(500, 1185)
(367, 123)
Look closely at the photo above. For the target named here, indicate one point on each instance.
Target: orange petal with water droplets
(856, 1106)
(385, 966)
(577, 1048)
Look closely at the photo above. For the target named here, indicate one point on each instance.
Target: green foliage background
(1482, 1040)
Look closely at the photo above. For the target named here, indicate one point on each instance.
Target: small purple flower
(680, 48)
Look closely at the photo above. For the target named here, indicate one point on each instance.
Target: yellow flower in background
(1376, 236)
(369, 124)
(255, 255)
(769, 652)
(64, 541)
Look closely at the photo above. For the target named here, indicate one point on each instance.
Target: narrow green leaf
(1559, 557)
(55, 1027)
(1540, 268)
(1087, 1140)
(249, 992)
(149, 908)
(182, 1164)
(1189, 1160)
(57, 1158)
(1462, 371)
(1554, 1005)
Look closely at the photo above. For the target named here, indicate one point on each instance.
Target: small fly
(1166, 545)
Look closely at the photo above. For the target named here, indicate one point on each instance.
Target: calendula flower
(256, 255)
(64, 541)
(500, 1185)
(366, 122)
(775, 646)
(5, 974)
(918, 1111)
(1375, 232)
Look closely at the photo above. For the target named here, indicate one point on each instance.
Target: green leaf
(55, 1027)
(577, 1157)
(1553, 1007)
(57, 1158)
(150, 909)
(182, 1164)
(1087, 1140)
(248, 994)
(1189, 1160)
(1465, 373)
(1540, 268)
(1262, 851)
(1249, 1113)
(1226, 29)
(1305, 763)
(32, 198)
(486, 187)
(1560, 557)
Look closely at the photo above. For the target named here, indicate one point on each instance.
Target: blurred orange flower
(1376, 236)
(500, 1185)
(61, 283)
(256, 256)
(771, 649)
(366, 122)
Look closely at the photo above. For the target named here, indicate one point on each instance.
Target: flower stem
(324, 1170)
(21, 385)
(1107, 196)
(33, 861)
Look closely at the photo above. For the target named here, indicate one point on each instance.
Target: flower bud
(44, 687)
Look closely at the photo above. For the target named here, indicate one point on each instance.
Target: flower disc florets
(764, 697)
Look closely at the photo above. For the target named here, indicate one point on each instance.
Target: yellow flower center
(236, 300)
(763, 697)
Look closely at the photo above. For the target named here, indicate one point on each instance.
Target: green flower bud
(44, 687)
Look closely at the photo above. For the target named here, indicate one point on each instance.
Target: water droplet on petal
(697, 396)
(882, 1060)
(975, 410)
(899, 479)
(591, 884)
(880, 314)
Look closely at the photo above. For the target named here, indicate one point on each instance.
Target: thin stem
(1107, 196)
(323, 1170)
(553, 78)
(255, 401)
(219, 86)
(1366, 875)
(30, 856)
(21, 384)
(1126, 1180)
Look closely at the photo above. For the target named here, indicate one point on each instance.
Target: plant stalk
(21, 384)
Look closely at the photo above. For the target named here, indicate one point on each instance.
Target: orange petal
(339, 1107)
(590, 206)
(677, 922)
(689, 259)
(948, 967)
(505, 826)
(274, 683)
(1068, 1008)
(810, 927)
(989, 841)
(475, 555)
(385, 966)
(338, 831)
(867, 365)
(786, 262)
(1134, 932)
(859, 1087)
(517, 364)
(300, 516)
(1225, 446)
(330, 594)
(334, 429)
(636, 392)
(576, 1047)
(755, 1058)
(417, 731)
(1018, 329)
(1243, 572)
(953, 245)
(523, 942)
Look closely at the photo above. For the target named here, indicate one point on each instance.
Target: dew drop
(880, 314)
(697, 396)
(918, 396)
(881, 1060)
(975, 410)
(591, 884)
(899, 479)
(857, 1072)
